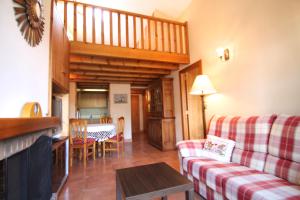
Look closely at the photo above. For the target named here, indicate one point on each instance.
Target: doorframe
(138, 92)
(189, 67)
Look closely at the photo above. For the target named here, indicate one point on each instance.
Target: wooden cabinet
(160, 109)
(59, 53)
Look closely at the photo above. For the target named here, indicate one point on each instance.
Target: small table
(150, 181)
(101, 132)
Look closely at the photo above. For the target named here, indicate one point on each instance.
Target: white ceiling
(169, 8)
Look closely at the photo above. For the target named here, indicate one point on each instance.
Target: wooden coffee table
(150, 181)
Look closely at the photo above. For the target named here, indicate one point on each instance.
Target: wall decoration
(120, 98)
(29, 16)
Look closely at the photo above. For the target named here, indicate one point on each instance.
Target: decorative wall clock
(29, 16)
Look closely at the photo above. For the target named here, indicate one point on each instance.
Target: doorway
(135, 113)
(190, 104)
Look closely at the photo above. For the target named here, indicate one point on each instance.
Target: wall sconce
(223, 54)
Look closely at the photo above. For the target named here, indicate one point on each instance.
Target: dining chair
(105, 120)
(79, 141)
(114, 143)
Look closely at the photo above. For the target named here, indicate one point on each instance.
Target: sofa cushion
(255, 160)
(260, 187)
(284, 149)
(283, 168)
(235, 181)
(189, 148)
(251, 135)
(218, 148)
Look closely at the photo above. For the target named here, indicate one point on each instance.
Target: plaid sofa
(265, 162)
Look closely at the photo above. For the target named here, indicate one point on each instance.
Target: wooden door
(135, 113)
(190, 104)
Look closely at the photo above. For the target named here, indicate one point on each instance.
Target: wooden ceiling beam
(110, 78)
(119, 75)
(96, 60)
(116, 69)
(82, 48)
(135, 83)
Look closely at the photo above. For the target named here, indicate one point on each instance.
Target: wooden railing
(99, 25)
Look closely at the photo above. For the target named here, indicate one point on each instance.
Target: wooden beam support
(107, 74)
(85, 77)
(76, 59)
(119, 52)
(116, 69)
(105, 80)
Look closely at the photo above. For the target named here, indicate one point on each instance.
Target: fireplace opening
(27, 174)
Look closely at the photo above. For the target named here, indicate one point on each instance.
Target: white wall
(24, 70)
(118, 110)
(263, 73)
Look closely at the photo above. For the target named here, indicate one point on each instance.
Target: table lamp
(202, 86)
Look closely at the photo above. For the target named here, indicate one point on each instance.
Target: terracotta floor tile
(97, 180)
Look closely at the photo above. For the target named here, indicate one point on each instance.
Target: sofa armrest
(189, 148)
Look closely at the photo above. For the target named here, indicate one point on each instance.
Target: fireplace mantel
(13, 127)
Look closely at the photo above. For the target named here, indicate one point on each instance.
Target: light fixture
(223, 53)
(202, 86)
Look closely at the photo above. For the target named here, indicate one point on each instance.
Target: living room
(248, 49)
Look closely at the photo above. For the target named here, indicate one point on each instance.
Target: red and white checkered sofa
(265, 163)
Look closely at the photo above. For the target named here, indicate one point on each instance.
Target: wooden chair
(105, 120)
(79, 140)
(114, 143)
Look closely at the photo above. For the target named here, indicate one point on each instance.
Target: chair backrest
(120, 128)
(78, 129)
(105, 120)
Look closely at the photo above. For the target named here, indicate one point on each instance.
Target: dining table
(101, 132)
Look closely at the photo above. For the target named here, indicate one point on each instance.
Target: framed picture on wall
(120, 98)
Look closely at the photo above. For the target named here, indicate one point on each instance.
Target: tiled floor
(97, 180)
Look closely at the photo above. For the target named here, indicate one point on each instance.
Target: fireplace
(27, 174)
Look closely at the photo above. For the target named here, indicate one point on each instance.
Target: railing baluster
(134, 32)
(93, 18)
(187, 51)
(180, 38)
(142, 34)
(65, 15)
(162, 36)
(175, 37)
(119, 30)
(75, 23)
(149, 33)
(169, 37)
(127, 32)
(111, 28)
(84, 23)
(102, 26)
(156, 36)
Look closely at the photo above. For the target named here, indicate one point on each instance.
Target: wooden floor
(97, 180)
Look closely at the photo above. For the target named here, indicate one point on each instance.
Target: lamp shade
(202, 86)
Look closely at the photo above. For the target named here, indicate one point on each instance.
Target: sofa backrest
(251, 135)
(283, 159)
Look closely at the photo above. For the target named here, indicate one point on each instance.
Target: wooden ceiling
(93, 71)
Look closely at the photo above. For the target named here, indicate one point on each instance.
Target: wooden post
(162, 36)
(134, 32)
(75, 23)
(187, 51)
(169, 36)
(180, 38)
(93, 18)
(156, 36)
(65, 15)
(127, 32)
(149, 34)
(84, 23)
(175, 37)
(119, 30)
(102, 26)
(111, 28)
(142, 34)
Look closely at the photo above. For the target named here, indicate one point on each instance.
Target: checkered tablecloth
(101, 132)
